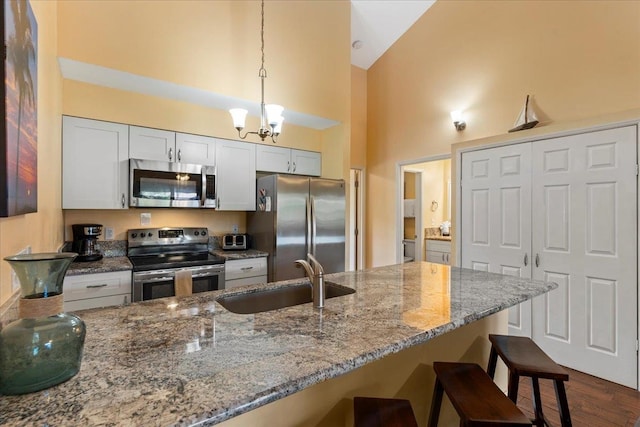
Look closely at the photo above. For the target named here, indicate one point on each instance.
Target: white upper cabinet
(287, 160)
(95, 164)
(306, 162)
(236, 175)
(273, 159)
(169, 146)
(152, 144)
(196, 149)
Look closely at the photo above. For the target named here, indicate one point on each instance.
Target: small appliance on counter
(445, 228)
(84, 241)
(235, 242)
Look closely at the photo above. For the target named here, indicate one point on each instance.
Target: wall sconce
(458, 120)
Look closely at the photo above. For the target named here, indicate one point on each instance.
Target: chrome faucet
(315, 272)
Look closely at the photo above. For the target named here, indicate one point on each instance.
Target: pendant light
(270, 115)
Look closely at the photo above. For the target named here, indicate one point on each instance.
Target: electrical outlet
(15, 282)
(145, 218)
(108, 233)
(234, 229)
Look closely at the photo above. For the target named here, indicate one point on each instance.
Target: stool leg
(493, 361)
(537, 402)
(513, 386)
(563, 405)
(436, 402)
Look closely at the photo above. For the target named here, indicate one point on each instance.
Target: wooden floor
(592, 401)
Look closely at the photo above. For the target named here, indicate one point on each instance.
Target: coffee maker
(84, 241)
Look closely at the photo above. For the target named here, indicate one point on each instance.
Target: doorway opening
(423, 205)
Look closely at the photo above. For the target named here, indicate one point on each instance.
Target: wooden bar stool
(476, 398)
(376, 412)
(525, 359)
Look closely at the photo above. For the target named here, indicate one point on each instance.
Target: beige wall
(358, 117)
(577, 60)
(41, 230)
(213, 46)
(218, 223)
(404, 375)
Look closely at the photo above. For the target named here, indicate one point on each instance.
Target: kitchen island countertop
(185, 361)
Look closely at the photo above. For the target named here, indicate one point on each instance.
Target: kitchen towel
(182, 283)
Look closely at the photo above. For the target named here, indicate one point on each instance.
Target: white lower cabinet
(248, 271)
(97, 290)
(439, 251)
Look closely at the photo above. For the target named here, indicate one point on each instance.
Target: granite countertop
(122, 263)
(229, 255)
(441, 238)
(105, 265)
(180, 361)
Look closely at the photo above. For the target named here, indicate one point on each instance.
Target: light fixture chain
(263, 71)
(239, 115)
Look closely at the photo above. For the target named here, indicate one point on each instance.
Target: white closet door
(496, 218)
(584, 237)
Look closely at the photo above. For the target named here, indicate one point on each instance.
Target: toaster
(234, 242)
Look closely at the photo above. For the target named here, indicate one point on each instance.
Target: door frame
(356, 219)
(516, 139)
(400, 168)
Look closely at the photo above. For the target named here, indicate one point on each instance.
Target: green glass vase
(44, 347)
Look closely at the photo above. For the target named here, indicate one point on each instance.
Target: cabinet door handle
(288, 166)
(170, 154)
(526, 260)
(246, 268)
(179, 155)
(122, 200)
(294, 166)
(103, 285)
(537, 260)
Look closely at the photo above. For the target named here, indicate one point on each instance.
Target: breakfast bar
(189, 361)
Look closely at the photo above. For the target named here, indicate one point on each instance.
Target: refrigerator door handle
(308, 230)
(313, 226)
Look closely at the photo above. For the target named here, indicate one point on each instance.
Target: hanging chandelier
(270, 115)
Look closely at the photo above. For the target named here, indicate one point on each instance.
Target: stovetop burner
(173, 260)
(162, 248)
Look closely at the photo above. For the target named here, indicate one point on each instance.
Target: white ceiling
(379, 23)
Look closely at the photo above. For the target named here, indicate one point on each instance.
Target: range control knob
(134, 235)
(149, 234)
(204, 232)
(197, 233)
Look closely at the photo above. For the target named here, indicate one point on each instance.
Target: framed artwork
(18, 136)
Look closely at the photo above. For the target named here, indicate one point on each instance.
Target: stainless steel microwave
(160, 184)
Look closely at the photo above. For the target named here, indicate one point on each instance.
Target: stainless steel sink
(273, 299)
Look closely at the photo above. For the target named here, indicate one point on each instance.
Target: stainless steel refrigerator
(295, 216)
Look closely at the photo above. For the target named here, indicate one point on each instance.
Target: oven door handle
(208, 274)
(155, 279)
